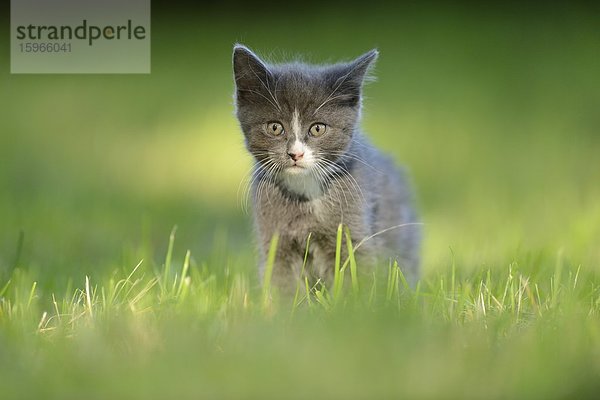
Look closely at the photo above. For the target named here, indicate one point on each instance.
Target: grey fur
(349, 181)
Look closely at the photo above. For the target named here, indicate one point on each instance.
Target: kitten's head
(297, 117)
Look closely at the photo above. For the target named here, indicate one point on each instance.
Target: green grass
(181, 330)
(495, 113)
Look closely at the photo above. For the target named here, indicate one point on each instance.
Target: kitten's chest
(306, 216)
(278, 211)
(302, 185)
(297, 218)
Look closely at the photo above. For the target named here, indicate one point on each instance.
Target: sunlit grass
(142, 320)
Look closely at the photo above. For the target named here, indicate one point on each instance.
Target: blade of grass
(31, 294)
(184, 271)
(88, 296)
(168, 258)
(337, 275)
(353, 275)
(299, 280)
(266, 293)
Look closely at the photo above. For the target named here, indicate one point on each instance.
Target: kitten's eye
(274, 128)
(317, 129)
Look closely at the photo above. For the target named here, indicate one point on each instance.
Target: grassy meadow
(495, 113)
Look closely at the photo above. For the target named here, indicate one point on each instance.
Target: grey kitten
(314, 169)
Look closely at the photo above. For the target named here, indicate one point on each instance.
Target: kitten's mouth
(295, 169)
(297, 164)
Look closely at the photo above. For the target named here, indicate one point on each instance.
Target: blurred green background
(494, 110)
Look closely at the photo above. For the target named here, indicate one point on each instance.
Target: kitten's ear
(248, 69)
(348, 78)
(359, 68)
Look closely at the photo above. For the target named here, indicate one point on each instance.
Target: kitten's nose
(296, 156)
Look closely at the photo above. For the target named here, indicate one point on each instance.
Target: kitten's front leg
(287, 268)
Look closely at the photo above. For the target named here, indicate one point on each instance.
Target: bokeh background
(495, 111)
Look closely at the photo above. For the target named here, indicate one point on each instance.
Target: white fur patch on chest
(302, 183)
